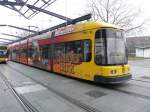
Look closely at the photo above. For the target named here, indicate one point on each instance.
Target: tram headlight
(6, 59)
(113, 71)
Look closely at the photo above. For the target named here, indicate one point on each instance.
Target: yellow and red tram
(89, 50)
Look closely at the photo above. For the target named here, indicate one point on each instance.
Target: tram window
(17, 52)
(80, 49)
(30, 52)
(50, 51)
(59, 50)
(100, 47)
(13, 54)
(70, 48)
(74, 47)
(74, 51)
(23, 52)
(86, 50)
(44, 52)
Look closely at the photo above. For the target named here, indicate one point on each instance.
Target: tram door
(51, 57)
(44, 61)
(51, 53)
(59, 58)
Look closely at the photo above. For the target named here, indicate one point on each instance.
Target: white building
(143, 51)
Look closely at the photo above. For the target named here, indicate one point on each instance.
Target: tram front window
(116, 47)
(110, 47)
(3, 53)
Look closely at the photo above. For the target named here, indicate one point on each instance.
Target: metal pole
(7, 39)
(10, 35)
(36, 8)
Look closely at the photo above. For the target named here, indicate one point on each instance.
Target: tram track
(140, 80)
(73, 101)
(21, 99)
(134, 94)
(112, 87)
(78, 103)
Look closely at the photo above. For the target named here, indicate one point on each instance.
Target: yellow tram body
(76, 49)
(88, 70)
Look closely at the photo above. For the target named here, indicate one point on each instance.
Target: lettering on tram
(64, 30)
(87, 50)
(72, 53)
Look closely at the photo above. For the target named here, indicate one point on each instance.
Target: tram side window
(30, 52)
(17, 52)
(74, 51)
(13, 54)
(59, 50)
(86, 50)
(81, 50)
(24, 52)
(44, 52)
(100, 47)
(74, 47)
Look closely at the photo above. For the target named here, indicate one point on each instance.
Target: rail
(21, 99)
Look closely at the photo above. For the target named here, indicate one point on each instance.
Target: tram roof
(92, 25)
(82, 26)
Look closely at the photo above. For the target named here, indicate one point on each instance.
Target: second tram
(3, 54)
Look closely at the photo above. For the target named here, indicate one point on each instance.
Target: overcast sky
(69, 8)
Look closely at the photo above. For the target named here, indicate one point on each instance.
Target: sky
(69, 8)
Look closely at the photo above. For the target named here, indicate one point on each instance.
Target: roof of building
(138, 42)
(143, 47)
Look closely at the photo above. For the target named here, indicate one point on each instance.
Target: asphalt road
(140, 69)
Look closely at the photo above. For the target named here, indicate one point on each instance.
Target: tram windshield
(110, 47)
(3, 51)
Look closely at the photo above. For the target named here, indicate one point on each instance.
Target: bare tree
(116, 12)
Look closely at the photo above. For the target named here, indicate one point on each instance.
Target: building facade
(143, 52)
